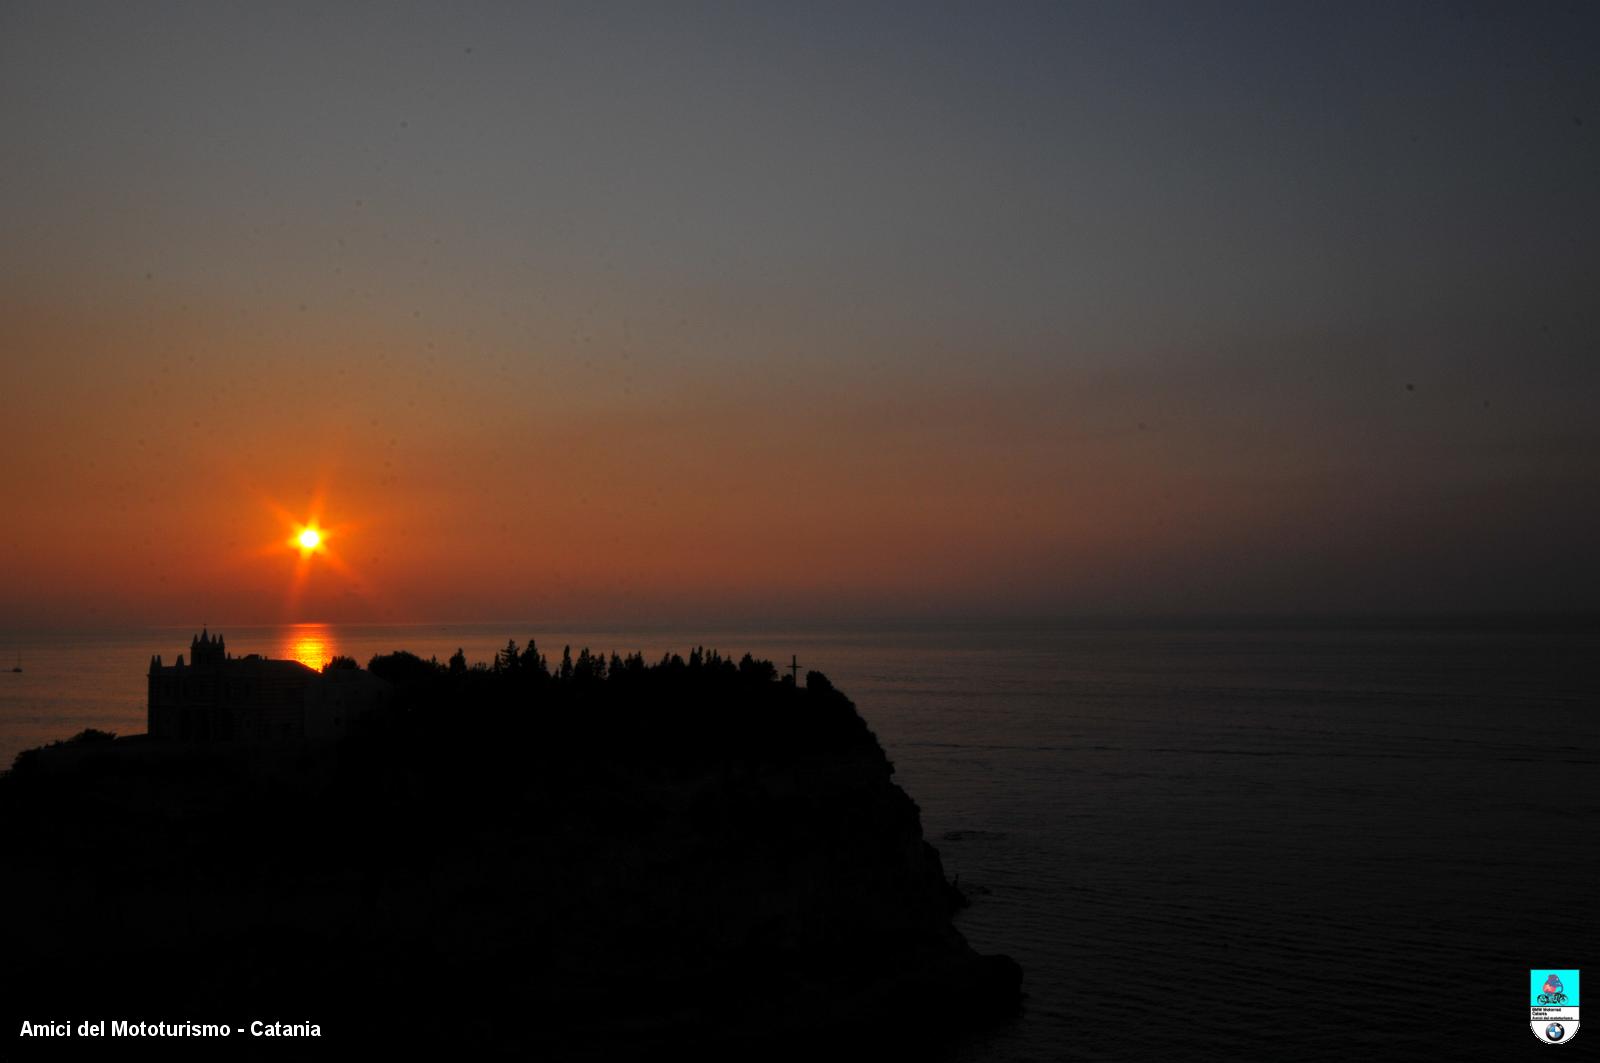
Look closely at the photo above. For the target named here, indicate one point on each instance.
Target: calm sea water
(1202, 842)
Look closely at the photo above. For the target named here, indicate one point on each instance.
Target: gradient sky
(683, 311)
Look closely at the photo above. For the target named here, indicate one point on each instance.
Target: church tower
(207, 652)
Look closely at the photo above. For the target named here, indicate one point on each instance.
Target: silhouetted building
(218, 698)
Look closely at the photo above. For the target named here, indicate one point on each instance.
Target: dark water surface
(1201, 842)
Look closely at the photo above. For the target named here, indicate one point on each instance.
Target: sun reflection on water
(310, 644)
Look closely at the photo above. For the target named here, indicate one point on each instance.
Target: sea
(1200, 839)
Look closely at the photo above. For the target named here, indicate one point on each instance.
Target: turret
(205, 651)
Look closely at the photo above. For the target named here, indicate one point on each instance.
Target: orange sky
(169, 445)
(175, 435)
(779, 313)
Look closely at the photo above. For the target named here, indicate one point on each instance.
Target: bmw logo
(1555, 1031)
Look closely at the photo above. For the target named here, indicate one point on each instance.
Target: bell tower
(207, 652)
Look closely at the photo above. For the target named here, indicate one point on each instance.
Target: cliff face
(608, 878)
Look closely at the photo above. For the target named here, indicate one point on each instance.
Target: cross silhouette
(794, 667)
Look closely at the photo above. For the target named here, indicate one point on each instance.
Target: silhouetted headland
(602, 855)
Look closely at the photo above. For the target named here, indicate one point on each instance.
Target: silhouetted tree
(590, 668)
(818, 682)
(533, 662)
(403, 669)
(684, 710)
(757, 671)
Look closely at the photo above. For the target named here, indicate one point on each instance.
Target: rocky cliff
(633, 868)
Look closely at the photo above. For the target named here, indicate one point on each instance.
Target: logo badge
(1553, 1004)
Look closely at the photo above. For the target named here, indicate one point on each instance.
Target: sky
(746, 311)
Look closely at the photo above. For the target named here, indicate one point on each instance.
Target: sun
(311, 543)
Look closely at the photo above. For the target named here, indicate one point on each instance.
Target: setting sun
(308, 546)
